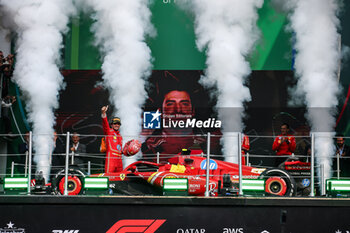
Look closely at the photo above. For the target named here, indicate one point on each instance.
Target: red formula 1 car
(146, 178)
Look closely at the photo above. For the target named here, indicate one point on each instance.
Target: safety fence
(201, 165)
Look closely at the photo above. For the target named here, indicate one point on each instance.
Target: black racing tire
(279, 178)
(75, 182)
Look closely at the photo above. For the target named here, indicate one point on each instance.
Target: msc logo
(136, 225)
(151, 120)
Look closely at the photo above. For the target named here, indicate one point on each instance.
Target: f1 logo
(136, 225)
(151, 120)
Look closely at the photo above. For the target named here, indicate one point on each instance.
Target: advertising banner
(112, 218)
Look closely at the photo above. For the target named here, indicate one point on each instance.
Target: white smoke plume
(227, 31)
(120, 30)
(39, 26)
(315, 24)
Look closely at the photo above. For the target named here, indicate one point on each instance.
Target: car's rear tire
(75, 182)
(278, 182)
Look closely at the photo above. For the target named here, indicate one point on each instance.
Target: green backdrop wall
(174, 46)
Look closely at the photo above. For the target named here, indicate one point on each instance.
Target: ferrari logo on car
(122, 176)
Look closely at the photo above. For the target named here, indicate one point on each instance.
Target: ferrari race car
(146, 178)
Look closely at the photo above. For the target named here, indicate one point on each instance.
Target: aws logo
(136, 225)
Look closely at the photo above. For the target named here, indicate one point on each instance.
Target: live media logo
(151, 120)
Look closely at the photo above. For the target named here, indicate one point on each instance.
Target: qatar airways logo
(152, 120)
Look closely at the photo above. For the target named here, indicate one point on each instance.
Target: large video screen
(81, 101)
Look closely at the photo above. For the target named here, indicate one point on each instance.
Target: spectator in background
(78, 149)
(307, 154)
(24, 147)
(284, 144)
(10, 60)
(6, 104)
(6, 69)
(1, 57)
(58, 157)
(343, 151)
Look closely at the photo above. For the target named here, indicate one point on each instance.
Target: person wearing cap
(114, 142)
(284, 144)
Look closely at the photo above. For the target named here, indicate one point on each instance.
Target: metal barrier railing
(93, 167)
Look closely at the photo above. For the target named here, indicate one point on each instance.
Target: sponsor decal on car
(258, 170)
(163, 175)
(306, 182)
(212, 164)
(169, 175)
(177, 168)
(235, 178)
